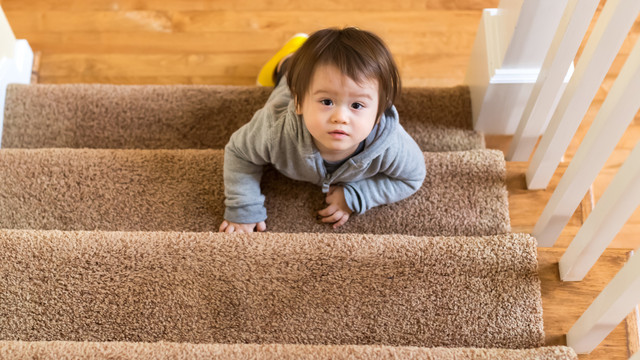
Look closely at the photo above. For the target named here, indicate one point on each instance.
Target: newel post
(508, 52)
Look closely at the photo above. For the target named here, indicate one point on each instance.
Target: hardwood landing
(564, 302)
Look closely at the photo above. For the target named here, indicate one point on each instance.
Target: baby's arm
(245, 156)
(402, 176)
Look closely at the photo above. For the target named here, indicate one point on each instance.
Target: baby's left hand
(337, 212)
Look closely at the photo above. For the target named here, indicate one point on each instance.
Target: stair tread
(195, 116)
(123, 350)
(270, 288)
(182, 190)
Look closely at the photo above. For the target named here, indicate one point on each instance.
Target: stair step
(195, 116)
(164, 350)
(332, 289)
(182, 190)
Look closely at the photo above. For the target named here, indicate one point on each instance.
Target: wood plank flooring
(559, 318)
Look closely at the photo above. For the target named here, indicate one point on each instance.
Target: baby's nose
(339, 117)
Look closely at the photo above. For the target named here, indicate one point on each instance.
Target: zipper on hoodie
(326, 183)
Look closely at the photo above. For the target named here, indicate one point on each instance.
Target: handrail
(612, 27)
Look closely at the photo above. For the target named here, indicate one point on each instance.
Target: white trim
(612, 27)
(518, 76)
(610, 308)
(16, 69)
(614, 117)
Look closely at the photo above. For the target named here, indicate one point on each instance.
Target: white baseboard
(16, 69)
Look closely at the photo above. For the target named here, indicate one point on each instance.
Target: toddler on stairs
(330, 120)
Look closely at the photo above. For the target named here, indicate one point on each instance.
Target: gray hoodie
(390, 168)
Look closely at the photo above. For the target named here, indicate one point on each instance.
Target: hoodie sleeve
(402, 176)
(245, 156)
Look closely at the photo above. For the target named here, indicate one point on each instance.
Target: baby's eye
(326, 102)
(357, 106)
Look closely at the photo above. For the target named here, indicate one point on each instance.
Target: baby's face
(338, 112)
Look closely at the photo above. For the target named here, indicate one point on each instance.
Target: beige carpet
(301, 290)
(182, 190)
(270, 288)
(11, 350)
(195, 116)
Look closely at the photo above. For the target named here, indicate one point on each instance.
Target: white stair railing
(557, 63)
(622, 196)
(611, 29)
(613, 304)
(615, 115)
(613, 209)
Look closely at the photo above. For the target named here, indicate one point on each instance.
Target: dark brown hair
(358, 54)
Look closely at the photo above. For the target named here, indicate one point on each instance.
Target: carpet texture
(182, 190)
(266, 288)
(179, 351)
(195, 116)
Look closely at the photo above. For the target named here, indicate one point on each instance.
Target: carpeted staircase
(111, 197)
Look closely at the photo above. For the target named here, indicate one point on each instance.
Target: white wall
(16, 62)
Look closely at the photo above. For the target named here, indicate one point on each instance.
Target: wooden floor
(558, 316)
(227, 41)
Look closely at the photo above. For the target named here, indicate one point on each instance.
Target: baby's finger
(328, 211)
(230, 229)
(223, 226)
(342, 221)
(262, 226)
(333, 217)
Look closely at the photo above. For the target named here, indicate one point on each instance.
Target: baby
(330, 121)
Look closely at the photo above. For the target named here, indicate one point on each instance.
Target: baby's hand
(229, 227)
(337, 212)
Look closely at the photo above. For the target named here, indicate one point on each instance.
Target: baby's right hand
(229, 227)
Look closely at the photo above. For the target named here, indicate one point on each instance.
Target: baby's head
(360, 55)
